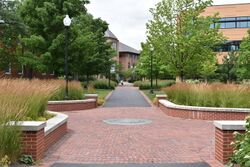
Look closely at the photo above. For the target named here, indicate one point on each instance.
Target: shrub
(75, 91)
(101, 84)
(241, 145)
(143, 85)
(19, 99)
(210, 95)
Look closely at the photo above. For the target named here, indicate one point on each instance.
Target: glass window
(8, 70)
(231, 25)
(212, 26)
(242, 24)
(242, 18)
(20, 69)
(114, 46)
(222, 25)
(230, 18)
(222, 19)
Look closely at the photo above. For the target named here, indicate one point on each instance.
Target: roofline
(112, 38)
(128, 52)
(233, 4)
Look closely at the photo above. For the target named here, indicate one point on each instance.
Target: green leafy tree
(243, 70)
(208, 69)
(10, 30)
(228, 70)
(182, 36)
(89, 54)
(159, 67)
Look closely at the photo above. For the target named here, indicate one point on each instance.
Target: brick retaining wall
(224, 136)
(73, 105)
(202, 113)
(37, 137)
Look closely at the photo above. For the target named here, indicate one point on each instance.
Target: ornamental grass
(75, 91)
(210, 95)
(19, 100)
(26, 100)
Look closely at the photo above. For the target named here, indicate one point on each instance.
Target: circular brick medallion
(127, 121)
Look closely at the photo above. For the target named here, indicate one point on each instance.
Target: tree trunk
(30, 75)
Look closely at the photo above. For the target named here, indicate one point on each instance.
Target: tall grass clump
(144, 85)
(210, 95)
(20, 99)
(75, 91)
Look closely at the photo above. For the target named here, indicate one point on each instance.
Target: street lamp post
(151, 71)
(228, 69)
(67, 23)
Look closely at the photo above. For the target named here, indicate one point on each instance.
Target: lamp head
(67, 21)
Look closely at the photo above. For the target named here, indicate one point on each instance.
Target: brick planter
(202, 113)
(37, 137)
(224, 136)
(72, 105)
(92, 96)
(160, 97)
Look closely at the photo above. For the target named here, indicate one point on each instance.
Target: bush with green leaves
(241, 145)
(144, 85)
(101, 84)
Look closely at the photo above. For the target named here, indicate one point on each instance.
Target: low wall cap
(29, 126)
(161, 96)
(169, 104)
(91, 95)
(71, 101)
(230, 125)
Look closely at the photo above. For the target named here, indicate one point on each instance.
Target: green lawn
(102, 93)
(152, 96)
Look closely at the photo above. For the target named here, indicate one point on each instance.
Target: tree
(228, 70)
(182, 36)
(9, 32)
(89, 54)
(243, 70)
(159, 66)
(208, 69)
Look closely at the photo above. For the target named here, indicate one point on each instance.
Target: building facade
(234, 23)
(127, 56)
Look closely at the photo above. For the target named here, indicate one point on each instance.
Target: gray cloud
(127, 18)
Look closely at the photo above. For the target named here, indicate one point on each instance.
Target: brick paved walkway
(166, 140)
(126, 97)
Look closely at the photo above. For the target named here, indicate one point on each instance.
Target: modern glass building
(234, 23)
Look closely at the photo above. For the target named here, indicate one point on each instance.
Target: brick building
(234, 23)
(126, 55)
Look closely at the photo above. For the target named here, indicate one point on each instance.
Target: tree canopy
(182, 36)
(41, 47)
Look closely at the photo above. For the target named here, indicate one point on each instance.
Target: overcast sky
(127, 18)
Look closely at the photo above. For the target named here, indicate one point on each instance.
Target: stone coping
(29, 126)
(91, 95)
(195, 108)
(49, 126)
(161, 96)
(55, 122)
(230, 125)
(71, 101)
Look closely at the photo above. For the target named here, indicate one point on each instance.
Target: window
(20, 69)
(8, 69)
(233, 22)
(114, 46)
(230, 25)
(242, 24)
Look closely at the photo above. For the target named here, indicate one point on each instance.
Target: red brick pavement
(166, 140)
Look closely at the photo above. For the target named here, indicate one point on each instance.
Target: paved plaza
(166, 140)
